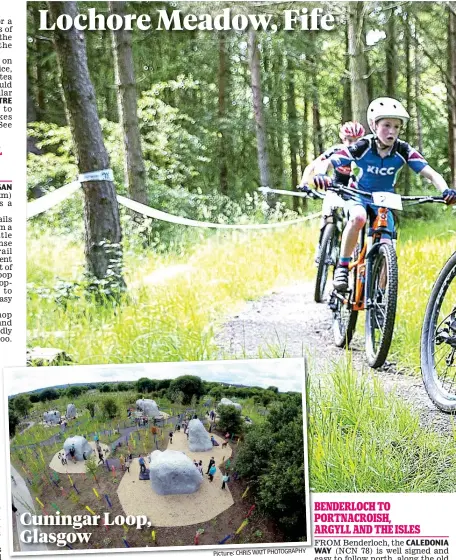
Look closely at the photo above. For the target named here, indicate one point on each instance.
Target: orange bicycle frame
(381, 220)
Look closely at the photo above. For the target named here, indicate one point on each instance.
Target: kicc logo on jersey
(380, 170)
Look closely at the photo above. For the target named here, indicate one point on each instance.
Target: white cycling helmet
(383, 108)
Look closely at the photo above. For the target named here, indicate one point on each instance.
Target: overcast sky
(286, 374)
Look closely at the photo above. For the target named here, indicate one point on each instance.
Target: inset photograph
(157, 455)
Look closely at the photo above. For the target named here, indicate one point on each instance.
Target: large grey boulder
(172, 472)
(52, 416)
(198, 438)
(71, 411)
(148, 407)
(81, 446)
(227, 402)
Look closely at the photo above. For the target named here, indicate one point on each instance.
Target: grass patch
(422, 250)
(168, 321)
(168, 317)
(362, 439)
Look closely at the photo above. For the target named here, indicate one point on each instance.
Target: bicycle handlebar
(419, 199)
(340, 188)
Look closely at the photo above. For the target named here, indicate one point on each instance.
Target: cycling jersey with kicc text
(342, 173)
(376, 173)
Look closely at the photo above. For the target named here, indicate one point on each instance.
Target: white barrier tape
(46, 202)
(59, 195)
(159, 215)
(267, 190)
(102, 175)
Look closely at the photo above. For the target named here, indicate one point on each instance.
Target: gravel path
(288, 323)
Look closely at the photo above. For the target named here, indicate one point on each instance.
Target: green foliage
(273, 389)
(74, 391)
(124, 386)
(91, 408)
(363, 439)
(272, 459)
(217, 393)
(145, 385)
(49, 395)
(176, 396)
(173, 142)
(268, 397)
(22, 405)
(230, 419)
(91, 466)
(109, 407)
(14, 421)
(189, 385)
(105, 388)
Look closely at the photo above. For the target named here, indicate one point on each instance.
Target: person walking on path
(212, 472)
(200, 467)
(142, 464)
(100, 457)
(225, 479)
(127, 464)
(211, 462)
(171, 437)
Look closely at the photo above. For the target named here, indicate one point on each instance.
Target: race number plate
(388, 200)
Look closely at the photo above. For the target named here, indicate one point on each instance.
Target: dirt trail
(287, 322)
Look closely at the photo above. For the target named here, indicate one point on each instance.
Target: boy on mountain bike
(349, 133)
(378, 158)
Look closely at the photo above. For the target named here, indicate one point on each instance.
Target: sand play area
(79, 466)
(138, 498)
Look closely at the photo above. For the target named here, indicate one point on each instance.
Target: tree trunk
(222, 103)
(317, 130)
(103, 249)
(369, 77)
(293, 139)
(135, 171)
(254, 63)
(346, 102)
(391, 60)
(305, 135)
(357, 60)
(452, 92)
(408, 94)
(278, 92)
(304, 157)
(419, 129)
(40, 61)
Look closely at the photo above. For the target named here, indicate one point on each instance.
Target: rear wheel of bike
(344, 318)
(381, 301)
(438, 340)
(328, 257)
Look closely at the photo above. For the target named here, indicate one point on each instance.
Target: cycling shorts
(371, 210)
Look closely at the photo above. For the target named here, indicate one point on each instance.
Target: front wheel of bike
(438, 340)
(328, 256)
(381, 301)
(344, 317)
